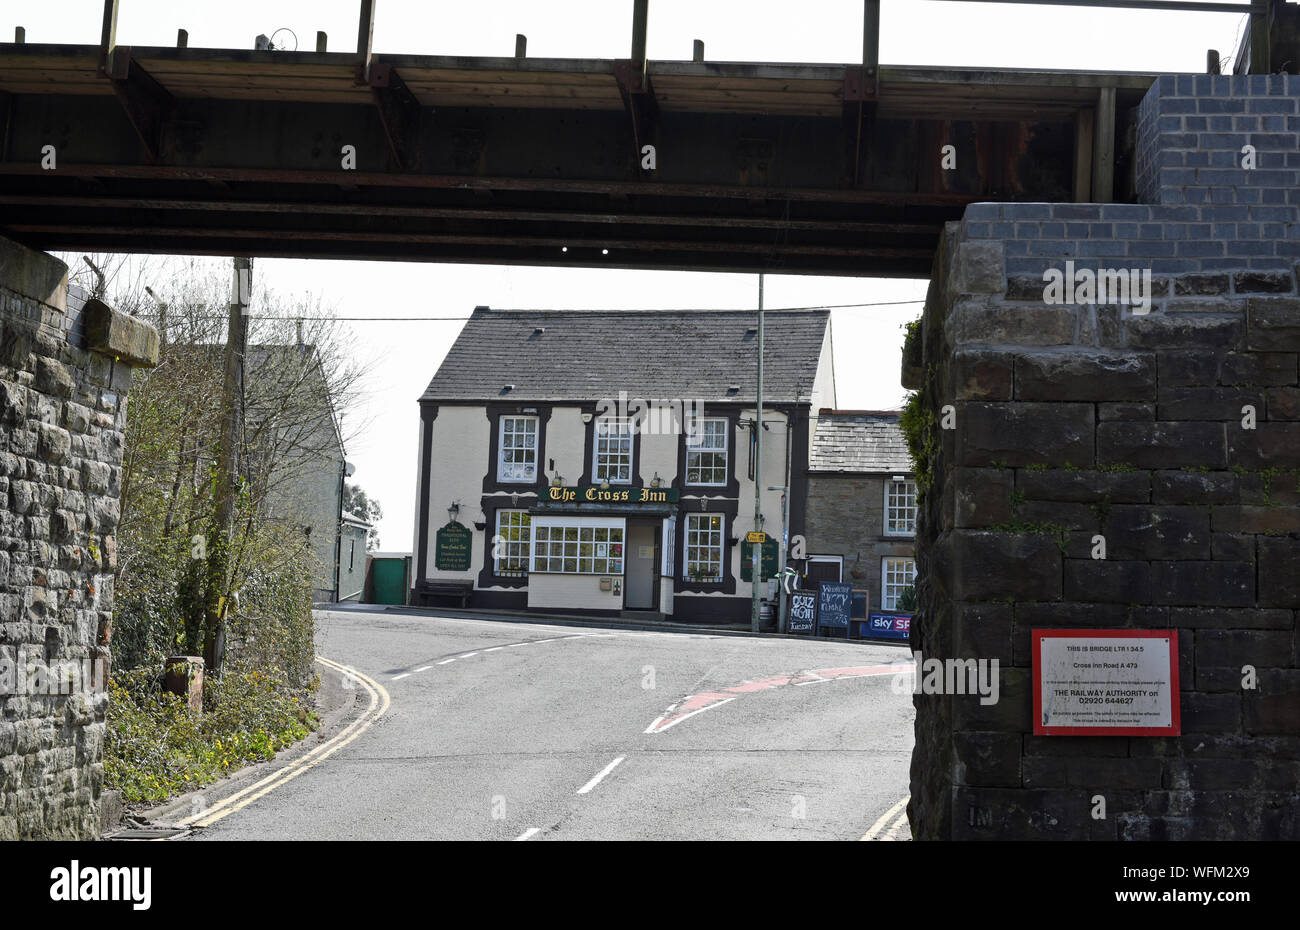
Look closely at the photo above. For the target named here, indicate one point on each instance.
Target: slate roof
(859, 441)
(589, 355)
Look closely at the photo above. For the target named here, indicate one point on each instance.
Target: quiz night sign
(1106, 683)
(803, 612)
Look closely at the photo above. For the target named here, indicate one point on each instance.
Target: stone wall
(1083, 418)
(65, 369)
(846, 516)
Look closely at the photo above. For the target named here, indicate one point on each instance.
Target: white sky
(867, 341)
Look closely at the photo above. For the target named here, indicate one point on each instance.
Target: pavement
(453, 727)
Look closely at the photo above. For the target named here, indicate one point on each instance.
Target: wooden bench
(457, 589)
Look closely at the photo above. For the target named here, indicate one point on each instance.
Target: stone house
(861, 517)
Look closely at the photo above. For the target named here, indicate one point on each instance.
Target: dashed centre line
(528, 834)
(600, 775)
(467, 655)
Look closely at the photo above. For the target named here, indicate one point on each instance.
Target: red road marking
(696, 703)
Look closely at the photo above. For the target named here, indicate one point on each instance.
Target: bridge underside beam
(528, 162)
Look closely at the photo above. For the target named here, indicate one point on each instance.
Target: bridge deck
(792, 167)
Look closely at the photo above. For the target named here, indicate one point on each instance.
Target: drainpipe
(755, 620)
(338, 531)
(785, 516)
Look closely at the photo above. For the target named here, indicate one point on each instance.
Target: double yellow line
(882, 827)
(379, 702)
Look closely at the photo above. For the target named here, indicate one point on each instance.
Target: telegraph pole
(756, 549)
(226, 489)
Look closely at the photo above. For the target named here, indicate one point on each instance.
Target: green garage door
(390, 581)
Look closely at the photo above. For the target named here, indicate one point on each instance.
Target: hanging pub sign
(803, 612)
(452, 548)
(1106, 683)
(768, 568)
(594, 495)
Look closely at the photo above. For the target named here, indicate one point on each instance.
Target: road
(502, 731)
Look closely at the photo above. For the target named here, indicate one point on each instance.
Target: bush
(157, 747)
(920, 430)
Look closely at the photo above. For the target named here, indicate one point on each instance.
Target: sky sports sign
(887, 626)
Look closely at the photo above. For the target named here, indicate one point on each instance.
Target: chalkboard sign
(834, 598)
(451, 553)
(861, 604)
(803, 612)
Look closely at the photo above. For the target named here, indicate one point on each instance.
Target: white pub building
(585, 462)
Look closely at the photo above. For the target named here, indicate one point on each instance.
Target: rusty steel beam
(144, 100)
(469, 184)
(640, 106)
(399, 111)
(630, 245)
(1168, 6)
(1083, 129)
(871, 35)
(107, 34)
(1103, 146)
(365, 40)
(640, 25)
(531, 164)
(462, 213)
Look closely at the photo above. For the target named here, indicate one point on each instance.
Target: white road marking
(467, 655)
(401, 676)
(821, 681)
(651, 728)
(693, 713)
(445, 661)
(600, 775)
(527, 834)
(878, 827)
(424, 668)
(494, 649)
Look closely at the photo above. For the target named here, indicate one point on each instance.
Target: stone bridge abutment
(1171, 431)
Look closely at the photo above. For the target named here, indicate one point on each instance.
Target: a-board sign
(888, 626)
(451, 548)
(834, 599)
(803, 612)
(1106, 683)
